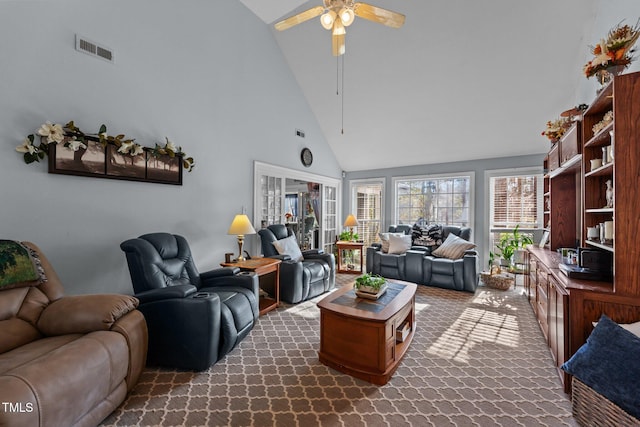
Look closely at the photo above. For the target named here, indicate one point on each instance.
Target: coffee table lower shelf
(363, 343)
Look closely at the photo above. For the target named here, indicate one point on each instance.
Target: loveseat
(418, 264)
(64, 360)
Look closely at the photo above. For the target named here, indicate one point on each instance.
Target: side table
(349, 267)
(268, 271)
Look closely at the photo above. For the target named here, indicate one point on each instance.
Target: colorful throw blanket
(19, 265)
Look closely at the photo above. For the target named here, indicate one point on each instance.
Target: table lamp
(351, 222)
(241, 226)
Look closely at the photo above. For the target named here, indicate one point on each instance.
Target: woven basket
(590, 408)
(500, 281)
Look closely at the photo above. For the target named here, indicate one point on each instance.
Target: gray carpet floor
(476, 360)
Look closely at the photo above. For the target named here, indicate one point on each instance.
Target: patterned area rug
(476, 360)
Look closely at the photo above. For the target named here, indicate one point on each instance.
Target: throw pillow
(19, 266)
(453, 247)
(634, 328)
(608, 363)
(384, 238)
(289, 246)
(399, 244)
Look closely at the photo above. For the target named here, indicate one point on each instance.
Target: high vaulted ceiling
(461, 80)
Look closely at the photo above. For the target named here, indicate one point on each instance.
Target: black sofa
(418, 265)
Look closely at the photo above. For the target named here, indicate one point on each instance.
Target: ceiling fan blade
(337, 38)
(299, 18)
(378, 14)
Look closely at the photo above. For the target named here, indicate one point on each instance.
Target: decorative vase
(605, 76)
(616, 70)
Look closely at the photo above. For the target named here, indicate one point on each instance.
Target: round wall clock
(306, 157)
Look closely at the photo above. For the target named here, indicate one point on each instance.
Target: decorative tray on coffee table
(370, 295)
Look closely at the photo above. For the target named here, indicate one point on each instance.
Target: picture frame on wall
(164, 168)
(125, 165)
(99, 161)
(88, 161)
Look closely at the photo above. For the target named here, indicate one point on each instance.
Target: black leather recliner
(299, 280)
(193, 319)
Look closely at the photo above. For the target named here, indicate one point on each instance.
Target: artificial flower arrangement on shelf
(613, 54)
(74, 139)
(556, 128)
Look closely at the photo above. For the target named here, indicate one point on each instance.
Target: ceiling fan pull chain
(337, 75)
(342, 106)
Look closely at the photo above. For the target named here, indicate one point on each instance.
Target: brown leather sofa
(66, 360)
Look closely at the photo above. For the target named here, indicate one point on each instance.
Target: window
(445, 200)
(515, 199)
(367, 204)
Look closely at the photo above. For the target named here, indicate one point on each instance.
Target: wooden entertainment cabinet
(574, 199)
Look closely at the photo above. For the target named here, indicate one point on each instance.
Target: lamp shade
(241, 225)
(351, 221)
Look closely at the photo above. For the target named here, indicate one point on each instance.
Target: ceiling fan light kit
(335, 15)
(347, 16)
(327, 19)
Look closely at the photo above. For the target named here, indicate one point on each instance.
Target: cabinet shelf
(571, 165)
(600, 245)
(599, 211)
(601, 138)
(601, 171)
(603, 101)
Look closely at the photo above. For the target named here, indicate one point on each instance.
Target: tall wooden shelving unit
(565, 308)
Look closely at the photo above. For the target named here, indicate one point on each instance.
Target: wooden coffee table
(268, 271)
(358, 336)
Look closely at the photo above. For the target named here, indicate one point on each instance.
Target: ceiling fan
(335, 15)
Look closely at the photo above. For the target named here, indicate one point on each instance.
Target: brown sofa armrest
(82, 314)
(134, 329)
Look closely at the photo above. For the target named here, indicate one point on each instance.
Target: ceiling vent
(94, 49)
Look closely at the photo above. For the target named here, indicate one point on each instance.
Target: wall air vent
(91, 48)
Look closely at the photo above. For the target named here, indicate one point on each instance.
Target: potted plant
(369, 283)
(348, 236)
(511, 244)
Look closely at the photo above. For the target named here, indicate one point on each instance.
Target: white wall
(207, 74)
(608, 14)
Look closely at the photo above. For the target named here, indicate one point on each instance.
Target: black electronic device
(592, 264)
(594, 259)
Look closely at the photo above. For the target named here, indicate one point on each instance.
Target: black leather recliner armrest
(311, 252)
(219, 272)
(245, 280)
(177, 291)
(281, 257)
